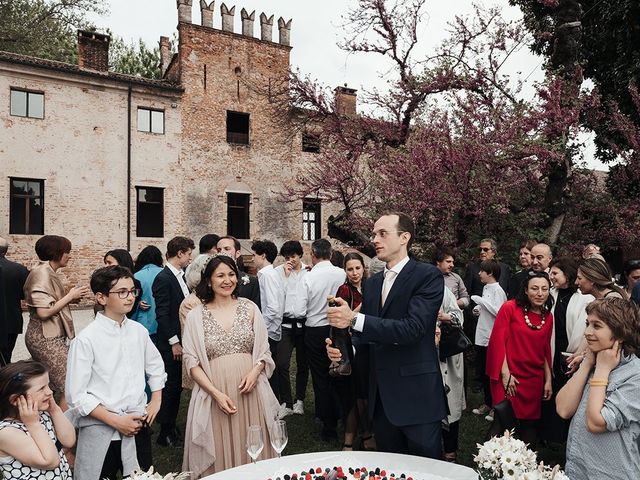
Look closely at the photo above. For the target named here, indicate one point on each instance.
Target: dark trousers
(170, 393)
(291, 338)
(450, 437)
(11, 344)
(481, 372)
(273, 381)
(316, 351)
(113, 461)
(423, 440)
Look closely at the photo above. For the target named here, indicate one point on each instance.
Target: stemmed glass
(254, 442)
(279, 436)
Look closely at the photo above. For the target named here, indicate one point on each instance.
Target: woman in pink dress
(226, 353)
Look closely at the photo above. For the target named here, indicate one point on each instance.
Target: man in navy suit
(169, 290)
(407, 401)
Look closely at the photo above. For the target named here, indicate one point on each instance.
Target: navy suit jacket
(404, 369)
(168, 297)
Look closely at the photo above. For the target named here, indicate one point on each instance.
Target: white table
(418, 467)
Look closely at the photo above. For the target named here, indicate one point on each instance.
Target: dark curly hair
(522, 299)
(622, 317)
(204, 291)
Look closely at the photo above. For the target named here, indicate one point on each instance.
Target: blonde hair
(597, 272)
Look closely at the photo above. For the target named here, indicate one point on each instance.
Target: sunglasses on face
(534, 274)
(485, 249)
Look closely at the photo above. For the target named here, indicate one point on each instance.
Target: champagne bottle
(340, 339)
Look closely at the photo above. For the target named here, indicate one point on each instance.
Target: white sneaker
(298, 407)
(284, 411)
(481, 410)
(489, 416)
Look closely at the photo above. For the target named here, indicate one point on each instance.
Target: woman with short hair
(50, 326)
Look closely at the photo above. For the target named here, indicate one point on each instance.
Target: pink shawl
(199, 449)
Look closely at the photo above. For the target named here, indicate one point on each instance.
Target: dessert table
(418, 467)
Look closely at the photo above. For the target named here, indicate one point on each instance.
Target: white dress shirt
(107, 365)
(397, 268)
(294, 307)
(323, 280)
(179, 273)
(493, 297)
(272, 299)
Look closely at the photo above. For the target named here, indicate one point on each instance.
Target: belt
(293, 322)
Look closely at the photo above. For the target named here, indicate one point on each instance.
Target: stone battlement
(185, 14)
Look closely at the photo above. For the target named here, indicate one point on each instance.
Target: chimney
(206, 12)
(247, 22)
(227, 17)
(266, 27)
(184, 10)
(285, 31)
(165, 54)
(345, 99)
(93, 51)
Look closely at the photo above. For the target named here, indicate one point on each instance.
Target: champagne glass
(279, 436)
(254, 442)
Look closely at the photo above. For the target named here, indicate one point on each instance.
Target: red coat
(526, 350)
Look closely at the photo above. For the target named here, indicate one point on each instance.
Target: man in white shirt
(323, 280)
(271, 297)
(169, 290)
(293, 272)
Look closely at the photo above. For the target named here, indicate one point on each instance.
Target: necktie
(389, 276)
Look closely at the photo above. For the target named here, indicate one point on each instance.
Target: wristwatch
(260, 363)
(353, 320)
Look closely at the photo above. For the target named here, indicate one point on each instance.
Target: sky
(316, 29)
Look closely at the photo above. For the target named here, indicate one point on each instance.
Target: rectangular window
(310, 143)
(238, 214)
(150, 120)
(237, 128)
(311, 226)
(27, 104)
(26, 206)
(150, 212)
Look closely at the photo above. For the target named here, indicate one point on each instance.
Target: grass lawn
(304, 436)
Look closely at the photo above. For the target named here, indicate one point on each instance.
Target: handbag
(504, 414)
(452, 340)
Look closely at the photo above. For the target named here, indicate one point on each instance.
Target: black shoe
(169, 440)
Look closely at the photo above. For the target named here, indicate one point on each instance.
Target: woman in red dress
(519, 354)
(354, 389)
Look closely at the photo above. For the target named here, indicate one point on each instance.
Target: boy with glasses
(105, 385)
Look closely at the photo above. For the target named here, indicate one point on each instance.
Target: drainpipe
(129, 168)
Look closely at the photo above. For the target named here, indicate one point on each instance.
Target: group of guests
(537, 331)
(548, 338)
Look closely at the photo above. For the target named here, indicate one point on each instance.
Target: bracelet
(599, 382)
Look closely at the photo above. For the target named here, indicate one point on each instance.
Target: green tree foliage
(608, 49)
(134, 58)
(48, 29)
(45, 28)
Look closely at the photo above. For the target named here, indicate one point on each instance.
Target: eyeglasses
(122, 294)
(384, 234)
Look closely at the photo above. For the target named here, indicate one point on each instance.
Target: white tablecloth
(418, 467)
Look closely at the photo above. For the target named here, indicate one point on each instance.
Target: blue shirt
(146, 276)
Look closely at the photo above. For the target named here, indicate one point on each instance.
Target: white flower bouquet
(151, 475)
(507, 458)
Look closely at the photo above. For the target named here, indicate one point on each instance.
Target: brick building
(118, 161)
